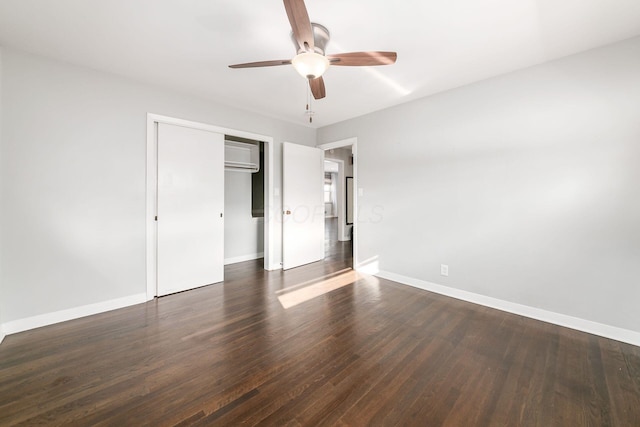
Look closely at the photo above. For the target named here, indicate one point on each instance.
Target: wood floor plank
(369, 352)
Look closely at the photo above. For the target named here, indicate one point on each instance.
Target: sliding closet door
(190, 208)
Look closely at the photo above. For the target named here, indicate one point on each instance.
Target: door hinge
(156, 217)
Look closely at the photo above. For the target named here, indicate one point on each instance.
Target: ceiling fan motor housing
(321, 37)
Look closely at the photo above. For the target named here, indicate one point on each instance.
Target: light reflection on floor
(295, 295)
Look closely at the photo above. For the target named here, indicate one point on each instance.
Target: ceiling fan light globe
(310, 65)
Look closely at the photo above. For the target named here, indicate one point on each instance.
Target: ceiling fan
(310, 40)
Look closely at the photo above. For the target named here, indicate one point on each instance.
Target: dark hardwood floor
(369, 352)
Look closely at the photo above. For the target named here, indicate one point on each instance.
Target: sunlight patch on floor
(312, 281)
(316, 288)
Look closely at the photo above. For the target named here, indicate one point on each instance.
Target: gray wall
(243, 234)
(526, 185)
(72, 176)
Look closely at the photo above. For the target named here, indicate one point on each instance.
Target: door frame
(353, 143)
(152, 190)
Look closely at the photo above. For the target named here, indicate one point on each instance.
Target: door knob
(287, 212)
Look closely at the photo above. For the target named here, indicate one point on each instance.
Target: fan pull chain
(308, 111)
(309, 103)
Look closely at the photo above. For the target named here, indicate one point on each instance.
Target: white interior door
(303, 203)
(190, 208)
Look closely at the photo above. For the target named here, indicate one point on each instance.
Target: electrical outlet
(444, 270)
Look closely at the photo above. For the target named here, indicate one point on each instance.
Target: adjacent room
(319, 213)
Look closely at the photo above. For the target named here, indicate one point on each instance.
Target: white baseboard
(1, 334)
(595, 328)
(25, 324)
(243, 258)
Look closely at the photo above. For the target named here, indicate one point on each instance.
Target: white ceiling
(186, 45)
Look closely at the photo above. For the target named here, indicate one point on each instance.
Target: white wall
(243, 234)
(73, 180)
(527, 185)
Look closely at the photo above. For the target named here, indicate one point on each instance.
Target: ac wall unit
(241, 156)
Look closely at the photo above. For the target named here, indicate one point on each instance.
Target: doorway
(334, 246)
(340, 173)
(243, 199)
(153, 122)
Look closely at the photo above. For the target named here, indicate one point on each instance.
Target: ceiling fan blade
(317, 88)
(262, 64)
(363, 58)
(300, 23)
